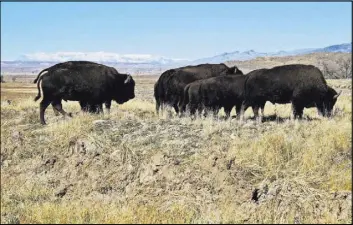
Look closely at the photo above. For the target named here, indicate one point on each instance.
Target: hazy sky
(176, 30)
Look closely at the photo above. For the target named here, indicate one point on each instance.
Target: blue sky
(176, 30)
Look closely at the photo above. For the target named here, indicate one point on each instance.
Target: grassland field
(133, 166)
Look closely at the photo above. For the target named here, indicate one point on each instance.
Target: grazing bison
(70, 65)
(214, 93)
(91, 84)
(169, 88)
(302, 85)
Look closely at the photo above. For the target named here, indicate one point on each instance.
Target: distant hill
(332, 60)
(147, 64)
(251, 54)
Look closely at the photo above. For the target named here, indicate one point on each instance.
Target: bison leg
(238, 109)
(215, 111)
(192, 108)
(297, 110)
(108, 105)
(199, 111)
(182, 107)
(262, 107)
(176, 108)
(244, 107)
(227, 110)
(157, 108)
(161, 106)
(99, 108)
(84, 106)
(95, 107)
(298, 113)
(58, 106)
(92, 108)
(206, 111)
(42, 107)
(322, 111)
(212, 110)
(255, 109)
(56, 112)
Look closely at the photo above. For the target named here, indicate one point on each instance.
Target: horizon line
(161, 56)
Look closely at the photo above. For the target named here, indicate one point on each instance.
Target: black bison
(302, 85)
(69, 65)
(214, 93)
(64, 65)
(91, 84)
(169, 88)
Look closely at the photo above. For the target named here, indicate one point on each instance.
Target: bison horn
(338, 94)
(127, 79)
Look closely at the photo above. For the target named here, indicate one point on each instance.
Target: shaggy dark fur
(214, 93)
(91, 84)
(302, 85)
(169, 88)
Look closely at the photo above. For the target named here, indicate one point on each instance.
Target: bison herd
(203, 88)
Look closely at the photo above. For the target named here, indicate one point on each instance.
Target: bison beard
(90, 84)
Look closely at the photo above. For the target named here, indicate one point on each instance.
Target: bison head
(329, 102)
(127, 90)
(232, 71)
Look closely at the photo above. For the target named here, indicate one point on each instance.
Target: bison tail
(158, 94)
(39, 94)
(37, 97)
(35, 81)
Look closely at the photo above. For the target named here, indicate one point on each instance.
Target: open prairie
(132, 166)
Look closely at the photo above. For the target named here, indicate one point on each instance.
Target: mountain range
(251, 54)
(145, 63)
(103, 57)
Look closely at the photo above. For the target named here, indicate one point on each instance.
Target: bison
(169, 88)
(69, 65)
(302, 85)
(91, 84)
(214, 93)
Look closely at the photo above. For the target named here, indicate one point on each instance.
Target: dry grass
(133, 167)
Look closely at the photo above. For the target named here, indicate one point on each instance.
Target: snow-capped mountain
(106, 57)
(251, 54)
(336, 48)
(143, 63)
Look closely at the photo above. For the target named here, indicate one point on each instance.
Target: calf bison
(302, 85)
(91, 84)
(69, 65)
(169, 88)
(214, 93)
